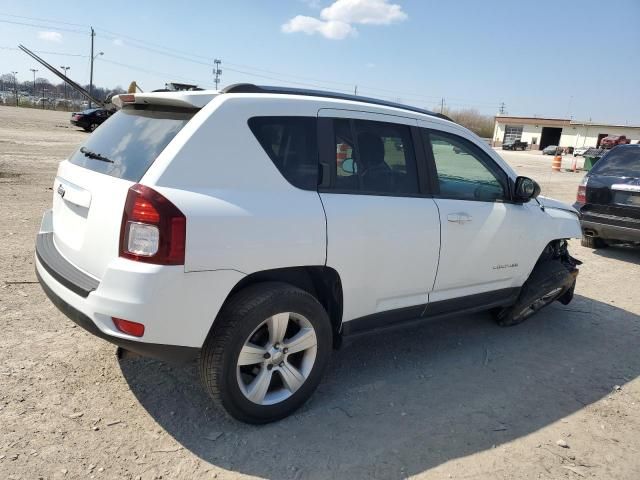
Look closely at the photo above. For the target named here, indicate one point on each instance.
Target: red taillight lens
(143, 211)
(130, 328)
(153, 230)
(581, 197)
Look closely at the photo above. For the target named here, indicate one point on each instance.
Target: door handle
(460, 218)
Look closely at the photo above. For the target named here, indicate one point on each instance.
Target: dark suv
(90, 119)
(609, 198)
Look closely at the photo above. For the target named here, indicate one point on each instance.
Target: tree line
(46, 89)
(481, 125)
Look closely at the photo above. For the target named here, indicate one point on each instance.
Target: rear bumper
(176, 308)
(609, 232)
(170, 353)
(607, 226)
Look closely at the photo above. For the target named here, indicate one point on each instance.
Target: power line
(41, 26)
(48, 52)
(163, 75)
(41, 19)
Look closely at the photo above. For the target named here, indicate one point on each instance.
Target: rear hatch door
(91, 187)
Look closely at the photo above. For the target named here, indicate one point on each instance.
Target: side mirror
(526, 189)
(348, 166)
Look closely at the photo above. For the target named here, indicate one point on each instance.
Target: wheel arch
(318, 280)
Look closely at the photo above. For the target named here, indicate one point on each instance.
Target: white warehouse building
(542, 132)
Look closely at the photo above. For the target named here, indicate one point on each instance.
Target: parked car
(609, 198)
(551, 150)
(90, 119)
(580, 151)
(611, 141)
(514, 145)
(220, 226)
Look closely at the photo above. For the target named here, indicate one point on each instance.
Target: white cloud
(372, 12)
(336, 20)
(309, 25)
(118, 42)
(370, 65)
(50, 36)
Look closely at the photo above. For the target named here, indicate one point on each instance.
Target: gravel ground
(557, 397)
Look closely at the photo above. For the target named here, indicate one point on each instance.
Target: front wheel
(548, 282)
(266, 353)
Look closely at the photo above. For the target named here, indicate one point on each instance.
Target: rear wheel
(548, 282)
(592, 242)
(93, 126)
(267, 352)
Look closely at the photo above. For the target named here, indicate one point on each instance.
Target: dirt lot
(460, 398)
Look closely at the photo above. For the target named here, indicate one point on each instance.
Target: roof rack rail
(251, 88)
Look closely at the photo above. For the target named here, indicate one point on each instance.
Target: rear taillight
(581, 197)
(153, 230)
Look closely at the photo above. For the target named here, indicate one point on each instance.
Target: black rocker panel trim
(444, 308)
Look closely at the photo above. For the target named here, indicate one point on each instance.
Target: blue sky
(548, 58)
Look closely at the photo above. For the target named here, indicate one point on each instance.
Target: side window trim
(326, 174)
(501, 176)
(432, 186)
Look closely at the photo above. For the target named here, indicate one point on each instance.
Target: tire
(593, 242)
(93, 127)
(249, 317)
(548, 282)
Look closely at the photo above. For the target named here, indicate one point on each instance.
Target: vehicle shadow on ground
(626, 253)
(402, 402)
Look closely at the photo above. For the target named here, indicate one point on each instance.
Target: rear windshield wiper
(94, 155)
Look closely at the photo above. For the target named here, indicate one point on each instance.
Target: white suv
(255, 227)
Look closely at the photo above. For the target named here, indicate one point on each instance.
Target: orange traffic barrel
(557, 163)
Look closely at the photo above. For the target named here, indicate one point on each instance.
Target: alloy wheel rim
(537, 304)
(276, 358)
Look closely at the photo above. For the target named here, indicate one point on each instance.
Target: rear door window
(292, 145)
(619, 162)
(128, 143)
(374, 158)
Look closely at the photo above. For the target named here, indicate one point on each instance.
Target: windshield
(619, 162)
(131, 140)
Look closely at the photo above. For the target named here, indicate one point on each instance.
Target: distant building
(542, 132)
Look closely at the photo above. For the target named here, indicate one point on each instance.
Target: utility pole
(442, 105)
(217, 72)
(44, 90)
(355, 90)
(93, 34)
(15, 86)
(34, 70)
(65, 85)
(502, 110)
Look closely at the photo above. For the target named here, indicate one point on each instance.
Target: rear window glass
(291, 143)
(128, 143)
(619, 162)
